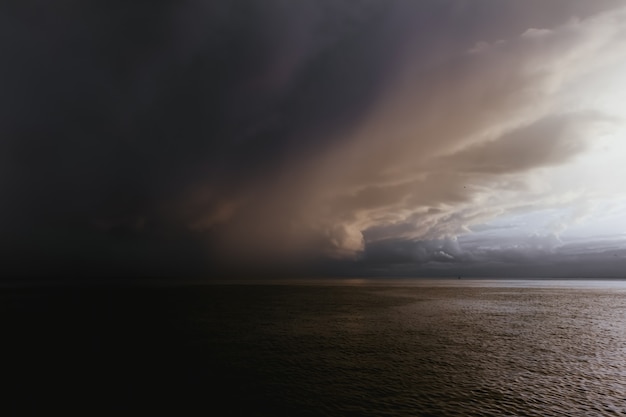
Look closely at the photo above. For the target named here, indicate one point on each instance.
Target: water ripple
(440, 351)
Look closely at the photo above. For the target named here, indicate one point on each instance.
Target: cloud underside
(444, 147)
(383, 133)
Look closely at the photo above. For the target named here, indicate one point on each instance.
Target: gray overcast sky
(201, 138)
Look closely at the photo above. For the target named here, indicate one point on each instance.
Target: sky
(318, 137)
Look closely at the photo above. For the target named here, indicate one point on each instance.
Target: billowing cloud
(455, 144)
(378, 133)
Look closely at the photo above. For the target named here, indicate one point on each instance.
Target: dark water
(358, 348)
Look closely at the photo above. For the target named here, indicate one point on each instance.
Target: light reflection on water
(455, 347)
(616, 284)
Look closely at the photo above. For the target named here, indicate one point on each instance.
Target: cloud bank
(381, 136)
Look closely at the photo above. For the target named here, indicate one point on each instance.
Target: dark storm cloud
(114, 112)
(520, 256)
(156, 138)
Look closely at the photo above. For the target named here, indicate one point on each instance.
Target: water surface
(444, 348)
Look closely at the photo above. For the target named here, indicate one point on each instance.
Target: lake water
(351, 347)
